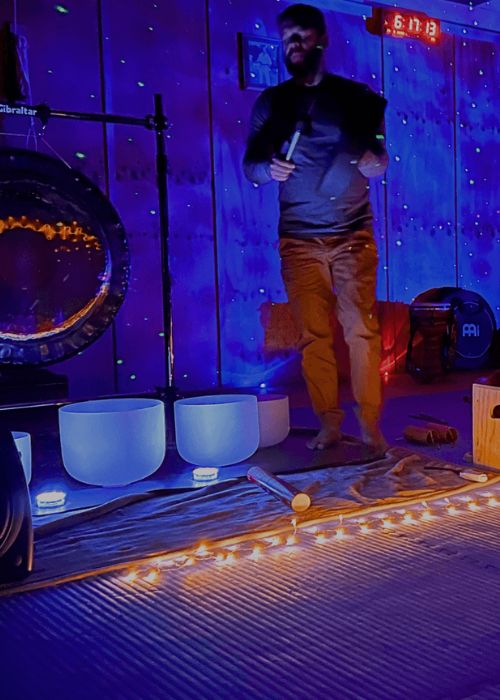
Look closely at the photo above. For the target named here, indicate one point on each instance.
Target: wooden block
(486, 424)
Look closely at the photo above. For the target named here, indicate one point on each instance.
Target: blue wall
(437, 210)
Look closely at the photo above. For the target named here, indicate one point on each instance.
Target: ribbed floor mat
(410, 613)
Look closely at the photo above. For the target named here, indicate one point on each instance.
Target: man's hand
(371, 165)
(281, 169)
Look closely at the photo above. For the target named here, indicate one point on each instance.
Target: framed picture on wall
(261, 62)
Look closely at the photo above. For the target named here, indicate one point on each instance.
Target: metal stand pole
(169, 393)
(161, 182)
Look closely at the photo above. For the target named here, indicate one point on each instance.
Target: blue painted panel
(420, 189)
(63, 53)
(91, 373)
(140, 355)
(150, 49)
(246, 218)
(478, 167)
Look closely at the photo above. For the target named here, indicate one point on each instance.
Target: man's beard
(308, 66)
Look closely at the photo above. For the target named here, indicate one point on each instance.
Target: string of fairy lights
(340, 530)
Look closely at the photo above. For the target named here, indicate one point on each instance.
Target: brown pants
(336, 272)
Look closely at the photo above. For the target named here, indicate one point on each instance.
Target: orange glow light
(71, 233)
(256, 553)
(274, 541)
(153, 576)
(131, 576)
(408, 519)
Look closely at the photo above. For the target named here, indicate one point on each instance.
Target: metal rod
(103, 118)
(99, 117)
(161, 182)
(44, 113)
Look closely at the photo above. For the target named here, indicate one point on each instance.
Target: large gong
(64, 260)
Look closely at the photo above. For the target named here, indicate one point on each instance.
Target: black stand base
(169, 394)
(29, 384)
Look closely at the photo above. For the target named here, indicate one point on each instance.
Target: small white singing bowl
(274, 418)
(23, 445)
(214, 431)
(112, 442)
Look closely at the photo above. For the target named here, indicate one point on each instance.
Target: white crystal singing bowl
(274, 419)
(112, 442)
(23, 445)
(214, 431)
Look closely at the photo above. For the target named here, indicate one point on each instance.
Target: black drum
(431, 349)
(449, 328)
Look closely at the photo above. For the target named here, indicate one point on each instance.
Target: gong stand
(156, 122)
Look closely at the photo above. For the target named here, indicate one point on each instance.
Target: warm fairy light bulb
(294, 523)
(472, 505)
(202, 551)
(256, 552)
(340, 533)
(158, 562)
(166, 564)
(427, 515)
(451, 509)
(388, 524)
(321, 538)
(131, 576)
(231, 558)
(153, 576)
(313, 530)
(492, 501)
(291, 540)
(408, 519)
(274, 541)
(219, 558)
(364, 528)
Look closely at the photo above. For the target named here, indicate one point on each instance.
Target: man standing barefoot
(320, 136)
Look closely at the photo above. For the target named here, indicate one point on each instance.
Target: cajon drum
(486, 424)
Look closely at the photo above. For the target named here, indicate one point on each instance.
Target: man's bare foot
(329, 433)
(327, 437)
(373, 437)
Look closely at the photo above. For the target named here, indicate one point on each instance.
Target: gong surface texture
(64, 260)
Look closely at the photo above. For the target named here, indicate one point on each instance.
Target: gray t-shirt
(339, 120)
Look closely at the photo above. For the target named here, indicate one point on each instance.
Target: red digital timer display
(408, 25)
